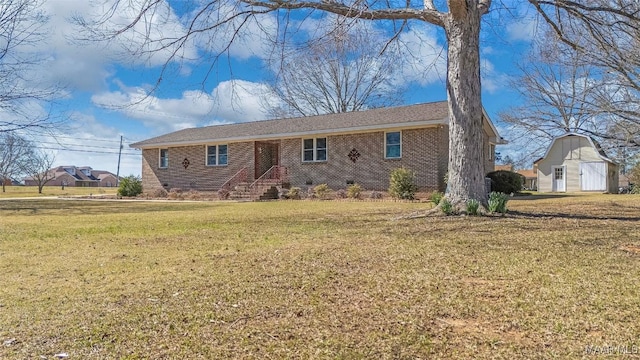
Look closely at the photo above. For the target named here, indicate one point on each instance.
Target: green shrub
(130, 186)
(507, 182)
(354, 191)
(402, 184)
(472, 207)
(322, 191)
(446, 207)
(435, 197)
(498, 202)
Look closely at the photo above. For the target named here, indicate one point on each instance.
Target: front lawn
(32, 191)
(557, 277)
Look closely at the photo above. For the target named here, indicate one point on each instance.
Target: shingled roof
(367, 120)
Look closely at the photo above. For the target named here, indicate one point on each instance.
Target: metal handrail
(276, 172)
(240, 176)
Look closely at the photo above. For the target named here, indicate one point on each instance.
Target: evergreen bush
(130, 186)
(507, 182)
(402, 184)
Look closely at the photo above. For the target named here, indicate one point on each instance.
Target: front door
(559, 179)
(267, 155)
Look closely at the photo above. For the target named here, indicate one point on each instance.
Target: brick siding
(424, 151)
(197, 176)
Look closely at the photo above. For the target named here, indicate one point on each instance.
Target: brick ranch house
(337, 149)
(82, 176)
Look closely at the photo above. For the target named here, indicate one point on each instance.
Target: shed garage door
(593, 176)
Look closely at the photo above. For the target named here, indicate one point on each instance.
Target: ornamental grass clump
(446, 207)
(294, 193)
(498, 202)
(472, 207)
(354, 191)
(322, 191)
(435, 197)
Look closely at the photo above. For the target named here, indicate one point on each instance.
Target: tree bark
(466, 135)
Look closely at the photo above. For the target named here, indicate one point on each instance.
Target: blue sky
(104, 86)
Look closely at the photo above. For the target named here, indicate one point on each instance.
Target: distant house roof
(368, 120)
(508, 167)
(528, 173)
(75, 172)
(593, 143)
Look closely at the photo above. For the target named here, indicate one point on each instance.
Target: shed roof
(368, 120)
(593, 143)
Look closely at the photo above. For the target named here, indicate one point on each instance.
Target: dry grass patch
(32, 191)
(316, 280)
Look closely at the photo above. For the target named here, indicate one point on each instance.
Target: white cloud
(239, 101)
(492, 79)
(425, 57)
(522, 29)
(230, 102)
(242, 37)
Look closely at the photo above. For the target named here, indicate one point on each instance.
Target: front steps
(266, 190)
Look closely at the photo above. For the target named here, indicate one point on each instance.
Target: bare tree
(605, 34)
(15, 151)
(557, 91)
(21, 30)
(38, 167)
(344, 71)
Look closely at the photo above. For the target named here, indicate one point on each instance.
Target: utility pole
(118, 171)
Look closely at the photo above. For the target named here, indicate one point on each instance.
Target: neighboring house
(83, 176)
(337, 149)
(530, 178)
(575, 162)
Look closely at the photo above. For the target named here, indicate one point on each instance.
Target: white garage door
(593, 176)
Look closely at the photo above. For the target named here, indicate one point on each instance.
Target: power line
(80, 150)
(67, 144)
(77, 138)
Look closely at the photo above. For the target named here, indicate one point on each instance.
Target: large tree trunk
(466, 136)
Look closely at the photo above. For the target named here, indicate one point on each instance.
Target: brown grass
(312, 279)
(32, 191)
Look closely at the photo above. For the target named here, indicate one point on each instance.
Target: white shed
(575, 162)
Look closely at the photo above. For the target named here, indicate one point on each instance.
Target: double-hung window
(393, 145)
(164, 158)
(314, 149)
(217, 155)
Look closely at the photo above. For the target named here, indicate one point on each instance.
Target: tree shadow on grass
(539, 196)
(66, 207)
(532, 215)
